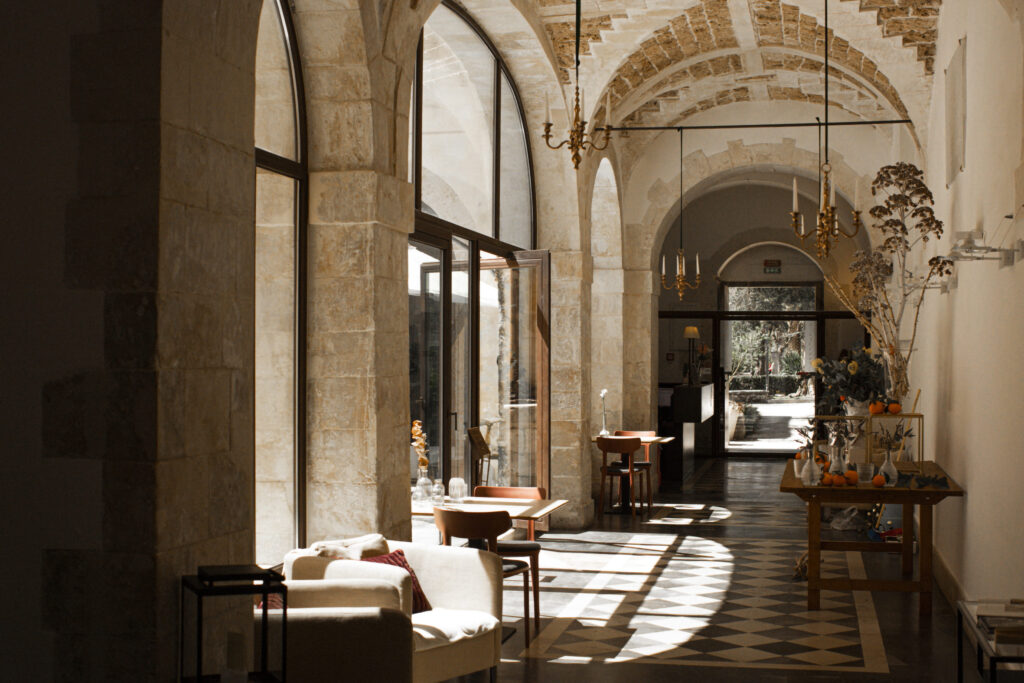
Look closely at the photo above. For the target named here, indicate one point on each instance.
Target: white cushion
(440, 627)
(370, 545)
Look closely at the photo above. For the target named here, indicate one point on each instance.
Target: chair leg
(535, 577)
(525, 606)
(650, 495)
(632, 495)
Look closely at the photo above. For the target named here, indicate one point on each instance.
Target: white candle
(662, 265)
(796, 204)
(547, 108)
(681, 264)
(802, 230)
(698, 264)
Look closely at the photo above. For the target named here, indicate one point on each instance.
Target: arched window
(280, 313)
(473, 155)
(478, 295)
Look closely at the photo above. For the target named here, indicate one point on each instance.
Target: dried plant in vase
(887, 289)
(419, 444)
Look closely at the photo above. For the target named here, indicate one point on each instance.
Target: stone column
(570, 388)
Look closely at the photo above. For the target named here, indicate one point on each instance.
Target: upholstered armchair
(460, 634)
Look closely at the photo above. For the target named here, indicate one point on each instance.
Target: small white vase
(888, 470)
(854, 407)
(811, 474)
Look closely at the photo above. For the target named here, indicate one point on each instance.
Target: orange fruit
(895, 408)
(851, 476)
(826, 479)
(878, 481)
(838, 480)
(876, 408)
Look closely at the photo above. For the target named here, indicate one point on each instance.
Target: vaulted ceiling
(662, 61)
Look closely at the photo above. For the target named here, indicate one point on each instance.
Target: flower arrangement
(419, 444)
(885, 286)
(860, 377)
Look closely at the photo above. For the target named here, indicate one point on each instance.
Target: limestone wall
(968, 365)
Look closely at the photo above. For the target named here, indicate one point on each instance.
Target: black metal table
(967, 614)
(224, 580)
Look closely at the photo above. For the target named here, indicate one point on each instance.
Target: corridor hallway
(704, 590)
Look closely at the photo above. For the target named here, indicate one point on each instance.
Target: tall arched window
(478, 295)
(280, 311)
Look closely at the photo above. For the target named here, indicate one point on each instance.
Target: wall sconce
(969, 246)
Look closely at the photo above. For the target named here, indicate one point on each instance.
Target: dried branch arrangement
(886, 288)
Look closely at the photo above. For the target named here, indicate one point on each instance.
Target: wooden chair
(528, 548)
(620, 445)
(481, 454)
(650, 465)
(486, 526)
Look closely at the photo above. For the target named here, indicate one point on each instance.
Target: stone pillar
(639, 349)
(570, 388)
(358, 387)
(606, 366)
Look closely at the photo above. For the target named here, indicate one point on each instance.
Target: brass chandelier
(681, 284)
(827, 230)
(579, 140)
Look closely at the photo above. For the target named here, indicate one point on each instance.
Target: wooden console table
(864, 492)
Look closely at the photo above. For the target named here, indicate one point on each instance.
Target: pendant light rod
(794, 124)
(680, 190)
(826, 80)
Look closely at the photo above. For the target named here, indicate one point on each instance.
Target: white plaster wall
(969, 365)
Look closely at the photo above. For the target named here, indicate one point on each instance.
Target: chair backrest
(463, 524)
(527, 492)
(626, 432)
(619, 444)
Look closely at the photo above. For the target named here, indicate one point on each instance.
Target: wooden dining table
(924, 497)
(524, 509)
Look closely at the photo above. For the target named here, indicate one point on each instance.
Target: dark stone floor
(916, 648)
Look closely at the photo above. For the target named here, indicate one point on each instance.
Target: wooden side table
(864, 492)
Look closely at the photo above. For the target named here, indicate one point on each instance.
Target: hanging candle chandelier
(827, 230)
(579, 140)
(681, 284)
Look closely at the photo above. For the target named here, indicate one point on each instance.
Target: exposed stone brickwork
(703, 28)
(563, 38)
(915, 21)
(779, 24)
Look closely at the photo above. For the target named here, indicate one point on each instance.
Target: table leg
(925, 560)
(908, 539)
(959, 646)
(813, 554)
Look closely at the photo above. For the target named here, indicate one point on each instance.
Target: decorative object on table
(680, 284)
(888, 469)
(886, 288)
(419, 444)
(457, 489)
(604, 415)
(811, 473)
(423, 485)
(232, 580)
(865, 472)
(849, 384)
(437, 492)
(899, 434)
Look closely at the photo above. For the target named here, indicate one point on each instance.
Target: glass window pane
(275, 366)
(786, 298)
(458, 123)
(425, 349)
(275, 100)
(462, 336)
(516, 207)
(509, 370)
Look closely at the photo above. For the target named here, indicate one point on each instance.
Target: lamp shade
(691, 332)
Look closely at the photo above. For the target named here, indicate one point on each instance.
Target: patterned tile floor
(704, 589)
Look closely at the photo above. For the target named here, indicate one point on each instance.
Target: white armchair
(460, 635)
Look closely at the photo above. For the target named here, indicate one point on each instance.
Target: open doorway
(768, 345)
